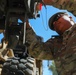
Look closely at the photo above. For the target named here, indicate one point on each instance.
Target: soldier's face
(63, 23)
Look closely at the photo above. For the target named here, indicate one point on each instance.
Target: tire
(16, 66)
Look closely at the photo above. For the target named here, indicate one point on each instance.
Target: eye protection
(65, 16)
(57, 16)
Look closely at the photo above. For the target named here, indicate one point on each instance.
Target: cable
(46, 28)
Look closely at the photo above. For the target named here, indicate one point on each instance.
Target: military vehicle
(14, 56)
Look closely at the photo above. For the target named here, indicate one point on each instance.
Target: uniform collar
(70, 30)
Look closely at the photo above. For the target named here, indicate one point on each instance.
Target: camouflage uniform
(69, 5)
(62, 49)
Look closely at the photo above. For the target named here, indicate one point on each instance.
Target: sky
(40, 26)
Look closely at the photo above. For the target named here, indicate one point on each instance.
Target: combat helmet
(54, 18)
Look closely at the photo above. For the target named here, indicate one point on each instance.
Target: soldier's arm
(37, 48)
(63, 4)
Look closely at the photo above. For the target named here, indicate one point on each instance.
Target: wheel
(16, 66)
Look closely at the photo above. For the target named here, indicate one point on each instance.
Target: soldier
(62, 4)
(61, 49)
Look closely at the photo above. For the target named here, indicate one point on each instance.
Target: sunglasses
(59, 16)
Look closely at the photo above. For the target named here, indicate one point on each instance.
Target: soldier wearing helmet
(61, 49)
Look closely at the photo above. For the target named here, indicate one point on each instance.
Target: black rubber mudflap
(16, 66)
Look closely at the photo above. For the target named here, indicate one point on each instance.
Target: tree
(52, 67)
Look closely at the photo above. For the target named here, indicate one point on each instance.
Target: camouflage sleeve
(37, 48)
(68, 5)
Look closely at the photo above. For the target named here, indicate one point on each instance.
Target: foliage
(52, 67)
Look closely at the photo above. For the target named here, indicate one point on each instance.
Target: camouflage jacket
(62, 49)
(69, 5)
